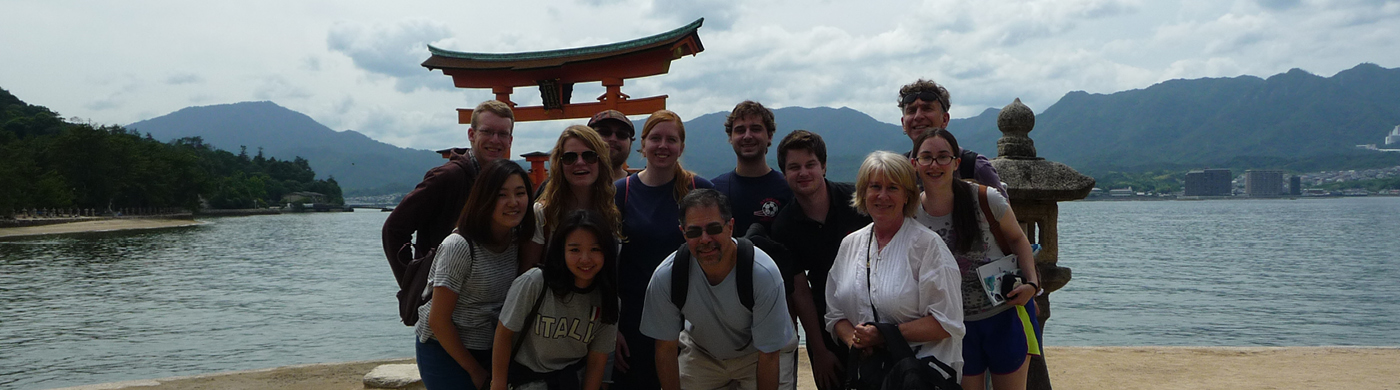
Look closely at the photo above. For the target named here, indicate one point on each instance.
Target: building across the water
(1208, 182)
(1263, 183)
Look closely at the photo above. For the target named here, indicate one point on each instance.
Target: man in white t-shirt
(714, 341)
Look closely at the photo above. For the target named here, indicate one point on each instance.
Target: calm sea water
(254, 292)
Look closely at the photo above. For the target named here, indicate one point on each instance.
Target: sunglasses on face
(928, 96)
(713, 229)
(589, 156)
(608, 131)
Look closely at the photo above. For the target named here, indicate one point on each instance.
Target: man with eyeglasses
(925, 106)
(712, 339)
(431, 210)
(617, 132)
(756, 190)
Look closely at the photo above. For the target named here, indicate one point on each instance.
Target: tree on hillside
(52, 163)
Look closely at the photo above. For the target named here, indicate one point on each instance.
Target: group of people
(661, 279)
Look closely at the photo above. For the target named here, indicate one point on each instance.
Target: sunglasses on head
(713, 229)
(928, 96)
(589, 156)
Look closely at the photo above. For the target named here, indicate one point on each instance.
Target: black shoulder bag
(895, 367)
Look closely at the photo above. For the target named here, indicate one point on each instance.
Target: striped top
(480, 278)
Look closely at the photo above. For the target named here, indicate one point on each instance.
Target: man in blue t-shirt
(755, 191)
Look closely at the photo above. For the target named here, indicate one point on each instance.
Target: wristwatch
(1038, 291)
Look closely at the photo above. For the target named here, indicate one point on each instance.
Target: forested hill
(51, 163)
(1240, 121)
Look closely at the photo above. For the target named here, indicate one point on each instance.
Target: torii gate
(556, 71)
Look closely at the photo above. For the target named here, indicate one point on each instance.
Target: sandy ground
(1071, 368)
(1223, 368)
(105, 225)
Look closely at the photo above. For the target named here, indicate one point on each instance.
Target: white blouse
(912, 277)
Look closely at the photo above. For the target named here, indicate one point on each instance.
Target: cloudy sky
(355, 64)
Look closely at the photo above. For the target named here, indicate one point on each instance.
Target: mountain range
(1211, 121)
(1186, 124)
(360, 165)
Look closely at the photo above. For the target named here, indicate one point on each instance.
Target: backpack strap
(530, 321)
(992, 223)
(967, 170)
(745, 272)
(680, 274)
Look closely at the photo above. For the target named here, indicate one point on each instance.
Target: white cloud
(393, 50)
(183, 78)
(355, 64)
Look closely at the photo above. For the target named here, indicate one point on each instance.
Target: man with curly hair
(924, 105)
(755, 190)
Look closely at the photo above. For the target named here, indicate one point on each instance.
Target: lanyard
(869, 287)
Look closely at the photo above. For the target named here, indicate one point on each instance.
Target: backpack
(680, 274)
(414, 290)
(413, 287)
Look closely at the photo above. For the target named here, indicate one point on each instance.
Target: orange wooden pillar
(537, 170)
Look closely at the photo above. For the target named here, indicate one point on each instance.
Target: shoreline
(1094, 368)
(96, 226)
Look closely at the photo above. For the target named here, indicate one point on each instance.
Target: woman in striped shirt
(471, 273)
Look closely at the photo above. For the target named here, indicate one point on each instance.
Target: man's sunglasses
(589, 156)
(607, 131)
(713, 229)
(928, 96)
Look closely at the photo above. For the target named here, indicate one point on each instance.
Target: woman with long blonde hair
(648, 201)
(582, 179)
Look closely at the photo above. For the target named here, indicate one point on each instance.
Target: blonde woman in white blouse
(895, 270)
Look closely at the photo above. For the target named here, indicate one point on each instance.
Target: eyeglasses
(928, 96)
(494, 134)
(589, 156)
(608, 131)
(926, 160)
(713, 229)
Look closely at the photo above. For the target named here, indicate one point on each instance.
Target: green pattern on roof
(579, 51)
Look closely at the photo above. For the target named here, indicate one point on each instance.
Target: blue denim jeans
(440, 371)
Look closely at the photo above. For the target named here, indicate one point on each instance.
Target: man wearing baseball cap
(617, 132)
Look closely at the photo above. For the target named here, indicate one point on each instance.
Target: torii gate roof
(641, 57)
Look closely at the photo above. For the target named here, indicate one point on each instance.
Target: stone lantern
(1034, 185)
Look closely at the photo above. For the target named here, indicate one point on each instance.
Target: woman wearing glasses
(581, 180)
(894, 270)
(648, 201)
(996, 338)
